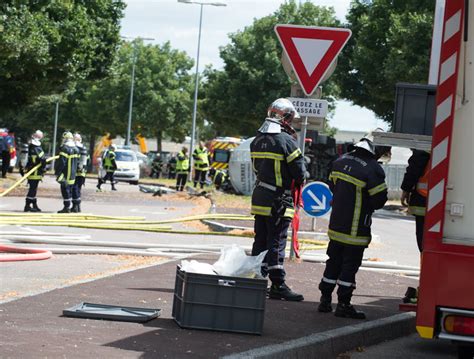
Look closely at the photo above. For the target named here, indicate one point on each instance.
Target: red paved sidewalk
(33, 327)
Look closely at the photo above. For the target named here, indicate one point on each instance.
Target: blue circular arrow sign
(316, 199)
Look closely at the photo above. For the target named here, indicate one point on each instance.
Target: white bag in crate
(233, 262)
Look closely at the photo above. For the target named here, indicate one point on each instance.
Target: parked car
(128, 166)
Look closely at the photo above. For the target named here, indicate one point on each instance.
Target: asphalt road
(411, 347)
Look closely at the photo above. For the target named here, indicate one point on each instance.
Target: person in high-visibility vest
(201, 164)
(415, 190)
(65, 169)
(80, 174)
(182, 169)
(110, 166)
(36, 157)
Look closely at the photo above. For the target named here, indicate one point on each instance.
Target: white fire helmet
(37, 135)
(282, 110)
(67, 136)
(113, 147)
(367, 143)
(77, 138)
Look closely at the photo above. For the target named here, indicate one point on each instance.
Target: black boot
(348, 311)
(75, 208)
(325, 305)
(99, 184)
(28, 206)
(35, 206)
(79, 208)
(282, 291)
(113, 187)
(411, 296)
(66, 208)
(326, 289)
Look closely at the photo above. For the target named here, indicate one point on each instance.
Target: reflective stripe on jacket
(358, 185)
(182, 164)
(201, 159)
(277, 161)
(418, 165)
(109, 161)
(66, 165)
(35, 157)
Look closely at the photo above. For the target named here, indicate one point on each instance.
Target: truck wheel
(465, 351)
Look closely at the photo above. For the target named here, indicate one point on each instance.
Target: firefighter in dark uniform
(172, 166)
(6, 146)
(110, 166)
(358, 185)
(182, 169)
(415, 191)
(65, 169)
(80, 174)
(36, 157)
(278, 162)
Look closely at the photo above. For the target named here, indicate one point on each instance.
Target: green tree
(235, 99)
(162, 100)
(391, 41)
(45, 45)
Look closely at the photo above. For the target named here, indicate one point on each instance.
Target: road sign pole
(313, 224)
(304, 125)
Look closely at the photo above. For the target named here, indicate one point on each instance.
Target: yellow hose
(28, 174)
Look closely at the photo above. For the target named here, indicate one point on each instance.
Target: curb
(333, 342)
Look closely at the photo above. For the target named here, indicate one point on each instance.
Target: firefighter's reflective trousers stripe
(341, 268)
(272, 237)
(267, 211)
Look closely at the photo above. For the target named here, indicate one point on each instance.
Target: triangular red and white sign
(311, 51)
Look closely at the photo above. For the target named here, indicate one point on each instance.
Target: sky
(178, 23)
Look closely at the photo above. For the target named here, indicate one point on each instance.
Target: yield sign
(311, 51)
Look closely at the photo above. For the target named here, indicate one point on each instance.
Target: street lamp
(193, 131)
(130, 105)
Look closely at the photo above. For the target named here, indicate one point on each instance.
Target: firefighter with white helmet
(278, 162)
(110, 166)
(66, 169)
(80, 174)
(36, 157)
(357, 182)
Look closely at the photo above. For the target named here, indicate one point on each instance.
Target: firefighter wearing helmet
(80, 174)
(357, 182)
(65, 169)
(109, 165)
(36, 157)
(277, 162)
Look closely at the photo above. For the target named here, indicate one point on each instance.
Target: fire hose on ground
(163, 250)
(28, 174)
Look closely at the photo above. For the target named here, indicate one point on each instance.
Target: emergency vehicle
(220, 150)
(445, 307)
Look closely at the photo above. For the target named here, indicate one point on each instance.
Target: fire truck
(220, 150)
(445, 307)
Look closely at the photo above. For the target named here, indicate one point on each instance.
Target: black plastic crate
(213, 302)
(415, 106)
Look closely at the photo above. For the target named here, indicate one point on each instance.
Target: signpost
(316, 199)
(312, 52)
